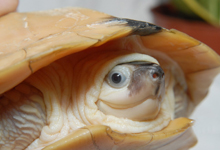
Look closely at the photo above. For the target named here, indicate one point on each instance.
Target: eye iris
(116, 78)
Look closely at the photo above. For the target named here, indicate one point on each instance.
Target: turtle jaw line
(145, 110)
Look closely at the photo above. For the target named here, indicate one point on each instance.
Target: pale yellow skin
(32, 58)
(7, 6)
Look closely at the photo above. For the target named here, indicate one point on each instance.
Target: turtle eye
(118, 77)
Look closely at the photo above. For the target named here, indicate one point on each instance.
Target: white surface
(207, 120)
(134, 9)
(207, 115)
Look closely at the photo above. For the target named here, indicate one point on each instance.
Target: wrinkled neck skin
(71, 88)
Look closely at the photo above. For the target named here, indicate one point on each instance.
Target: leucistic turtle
(74, 78)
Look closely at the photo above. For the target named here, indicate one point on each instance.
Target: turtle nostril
(157, 72)
(155, 75)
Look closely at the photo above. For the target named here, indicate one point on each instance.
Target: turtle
(75, 78)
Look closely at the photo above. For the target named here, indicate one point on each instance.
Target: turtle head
(133, 90)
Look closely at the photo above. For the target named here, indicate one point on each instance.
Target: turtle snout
(157, 75)
(157, 72)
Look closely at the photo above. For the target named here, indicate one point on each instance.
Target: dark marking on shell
(139, 27)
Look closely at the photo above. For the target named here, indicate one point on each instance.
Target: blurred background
(200, 20)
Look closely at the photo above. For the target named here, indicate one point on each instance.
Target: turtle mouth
(147, 109)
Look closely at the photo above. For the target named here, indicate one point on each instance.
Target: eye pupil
(116, 78)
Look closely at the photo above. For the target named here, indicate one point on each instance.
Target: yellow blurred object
(206, 10)
(200, 10)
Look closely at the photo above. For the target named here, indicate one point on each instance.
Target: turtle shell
(31, 41)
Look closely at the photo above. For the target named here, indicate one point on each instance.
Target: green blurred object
(208, 10)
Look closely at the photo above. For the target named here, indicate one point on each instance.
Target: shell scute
(100, 137)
